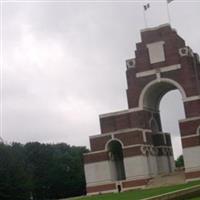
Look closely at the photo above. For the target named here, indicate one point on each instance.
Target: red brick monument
(132, 148)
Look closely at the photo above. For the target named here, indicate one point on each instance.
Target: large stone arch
(149, 100)
(153, 92)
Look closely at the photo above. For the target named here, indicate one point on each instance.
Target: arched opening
(154, 98)
(116, 160)
(154, 91)
(172, 110)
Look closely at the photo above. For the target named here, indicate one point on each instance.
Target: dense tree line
(41, 171)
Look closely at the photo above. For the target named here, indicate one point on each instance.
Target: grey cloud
(65, 64)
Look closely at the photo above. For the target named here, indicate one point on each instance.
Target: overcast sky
(63, 64)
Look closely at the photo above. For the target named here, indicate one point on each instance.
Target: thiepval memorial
(132, 148)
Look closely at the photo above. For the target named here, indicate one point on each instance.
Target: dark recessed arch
(116, 158)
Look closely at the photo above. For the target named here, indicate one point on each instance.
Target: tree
(14, 181)
(179, 161)
(45, 171)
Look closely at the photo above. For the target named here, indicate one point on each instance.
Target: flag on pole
(147, 6)
(169, 1)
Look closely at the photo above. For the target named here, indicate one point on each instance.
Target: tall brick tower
(132, 148)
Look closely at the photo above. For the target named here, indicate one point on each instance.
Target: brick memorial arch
(162, 63)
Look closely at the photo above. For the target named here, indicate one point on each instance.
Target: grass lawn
(140, 194)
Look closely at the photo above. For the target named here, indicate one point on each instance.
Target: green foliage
(180, 161)
(43, 171)
(14, 181)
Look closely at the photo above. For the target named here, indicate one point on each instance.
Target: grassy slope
(140, 194)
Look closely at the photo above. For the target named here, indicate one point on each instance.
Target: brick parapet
(126, 137)
(135, 183)
(136, 119)
(99, 143)
(132, 151)
(192, 175)
(131, 138)
(101, 188)
(191, 141)
(96, 157)
(188, 128)
(192, 108)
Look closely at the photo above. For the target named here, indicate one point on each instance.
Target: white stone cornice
(120, 112)
(156, 28)
(119, 132)
(192, 98)
(155, 71)
(189, 119)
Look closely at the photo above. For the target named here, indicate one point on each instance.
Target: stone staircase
(167, 179)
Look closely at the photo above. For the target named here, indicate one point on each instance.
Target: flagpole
(168, 13)
(145, 19)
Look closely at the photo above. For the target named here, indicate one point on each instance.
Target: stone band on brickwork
(101, 188)
(191, 141)
(192, 175)
(95, 157)
(134, 183)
